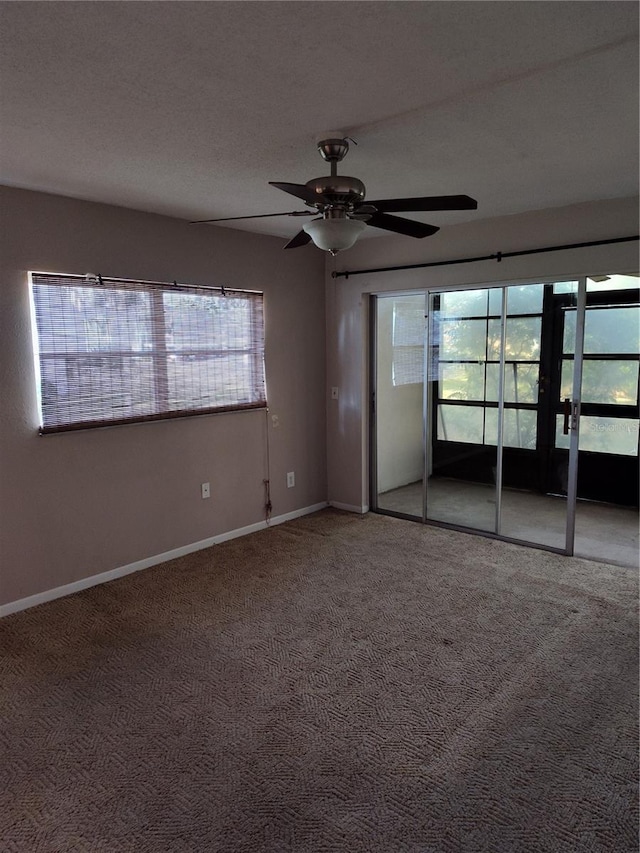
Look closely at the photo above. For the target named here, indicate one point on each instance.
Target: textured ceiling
(190, 108)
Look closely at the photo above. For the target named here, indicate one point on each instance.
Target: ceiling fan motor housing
(337, 189)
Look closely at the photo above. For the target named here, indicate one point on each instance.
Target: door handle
(575, 414)
(567, 415)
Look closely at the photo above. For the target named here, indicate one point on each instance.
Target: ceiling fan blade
(402, 226)
(300, 191)
(255, 216)
(301, 239)
(433, 202)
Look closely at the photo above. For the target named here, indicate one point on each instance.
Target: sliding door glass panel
(610, 436)
(464, 346)
(520, 382)
(523, 339)
(607, 506)
(519, 428)
(607, 382)
(607, 330)
(461, 339)
(462, 381)
(464, 303)
(399, 388)
(535, 473)
(525, 299)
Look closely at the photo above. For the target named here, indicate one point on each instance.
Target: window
(408, 340)
(111, 351)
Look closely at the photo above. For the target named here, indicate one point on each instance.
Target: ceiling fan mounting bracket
(333, 150)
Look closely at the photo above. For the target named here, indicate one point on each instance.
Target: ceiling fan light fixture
(334, 235)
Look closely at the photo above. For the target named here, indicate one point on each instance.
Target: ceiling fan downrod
(333, 151)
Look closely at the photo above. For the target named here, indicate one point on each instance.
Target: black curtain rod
(498, 256)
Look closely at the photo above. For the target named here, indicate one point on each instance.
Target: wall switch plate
(206, 490)
(291, 479)
(334, 392)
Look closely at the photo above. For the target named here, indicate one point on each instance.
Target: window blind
(111, 352)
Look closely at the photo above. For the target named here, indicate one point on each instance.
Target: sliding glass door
(492, 396)
(470, 385)
(512, 410)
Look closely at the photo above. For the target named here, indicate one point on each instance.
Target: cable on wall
(496, 256)
(268, 507)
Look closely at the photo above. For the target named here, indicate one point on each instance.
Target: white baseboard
(361, 510)
(121, 571)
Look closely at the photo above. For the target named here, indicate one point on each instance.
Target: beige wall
(348, 300)
(77, 504)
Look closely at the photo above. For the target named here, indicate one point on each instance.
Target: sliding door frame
(372, 402)
(574, 420)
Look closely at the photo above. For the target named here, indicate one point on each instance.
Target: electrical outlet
(206, 490)
(291, 479)
(334, 392)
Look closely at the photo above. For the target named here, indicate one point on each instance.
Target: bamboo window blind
(113, 351)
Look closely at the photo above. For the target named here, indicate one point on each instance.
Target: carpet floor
(336, 684)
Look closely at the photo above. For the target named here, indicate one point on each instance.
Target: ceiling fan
(344, 213)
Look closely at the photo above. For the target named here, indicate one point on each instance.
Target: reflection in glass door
(397, 404)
